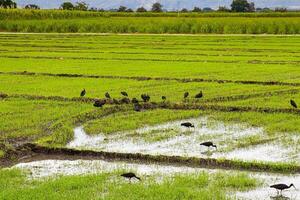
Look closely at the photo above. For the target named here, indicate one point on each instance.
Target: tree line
(236, 6)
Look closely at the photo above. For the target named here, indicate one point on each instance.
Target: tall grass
(63, 14)
(158, 25)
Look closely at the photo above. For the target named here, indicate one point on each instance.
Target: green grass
(273, 124)
(155, 56)
(27, 120)
(92, 23)
(111, 186)
(96, 88)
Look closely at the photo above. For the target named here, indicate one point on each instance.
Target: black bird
(293, 103)
(83, 92)
(188, 125)
(134, 100)
(208, 144)
(164, 98)
(185, 95)
(145, 97)
(137, 107)
(282, 186)
(130, 175)
(124, 94)
(125, 100)
(99, 103)
(107, 95)
(199, 95)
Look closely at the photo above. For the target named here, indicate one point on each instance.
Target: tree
(223, 9)
(93, 9)
(242, 6)
(157, 7)
(280, 10)
(141, 9)
(184, 10)
(67, 6)
(251, 7)
(129, 10)
(207, 9)
(196, 9)
(8, 4)
(81, 6)
(32, 7)
(122, 9)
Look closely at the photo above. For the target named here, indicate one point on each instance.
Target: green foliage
(242, 6)
(7, 4)
(67, 6)
(156, 7)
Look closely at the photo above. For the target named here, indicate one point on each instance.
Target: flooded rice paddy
(55, 168)
(171, 139)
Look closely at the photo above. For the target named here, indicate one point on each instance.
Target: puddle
(265, 152)
(186, 141)
(265, 192)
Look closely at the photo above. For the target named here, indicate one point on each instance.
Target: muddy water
(186, 142)
(55, 168)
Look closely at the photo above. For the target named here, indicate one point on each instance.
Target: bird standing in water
(209, 144)
(130, 175)
(188, 125)
(280, 187)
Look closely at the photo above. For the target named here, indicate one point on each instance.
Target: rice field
(58, 21)
(247, 84)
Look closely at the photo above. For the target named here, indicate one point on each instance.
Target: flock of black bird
(136, 106)
(146, 98)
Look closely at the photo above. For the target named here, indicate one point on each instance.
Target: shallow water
(56, 168)
(53, 168)
(265, 192)
(186, 142)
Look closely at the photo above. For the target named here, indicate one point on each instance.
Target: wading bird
(107, 95)
(99, 103)
(199, 95)
(188, 125)
(83, 92)
(145, 97)
(281, 187)
(164, 98)
(293, 103)
(134, 100)
(124, 94)
(185, 95)
(125, 100)
(130, 175)
(208, 144)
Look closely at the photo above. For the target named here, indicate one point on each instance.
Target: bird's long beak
(295, 187)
